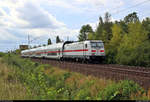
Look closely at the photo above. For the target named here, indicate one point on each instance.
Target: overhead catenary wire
(133, 6)
(117, 12)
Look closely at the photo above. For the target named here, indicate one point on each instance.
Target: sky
(43, 19)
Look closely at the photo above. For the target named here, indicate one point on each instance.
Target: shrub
(83, 94)
(44, 82)
(122, 90)
(2, 54)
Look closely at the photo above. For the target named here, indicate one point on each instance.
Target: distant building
(23, 47)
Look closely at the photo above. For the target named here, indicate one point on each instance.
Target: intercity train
(89, 50)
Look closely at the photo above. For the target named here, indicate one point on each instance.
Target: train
(89, 50)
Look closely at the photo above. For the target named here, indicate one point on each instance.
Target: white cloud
(28, 14)
(97, 5)
(6, 36)
(37, 17)
(29, 17)
(91, 2)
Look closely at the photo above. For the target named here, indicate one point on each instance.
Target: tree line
(126, 41)
(49, 42)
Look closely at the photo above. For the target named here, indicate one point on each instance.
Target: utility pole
(28, 41)
(67, 38)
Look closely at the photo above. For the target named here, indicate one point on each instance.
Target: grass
(10, 87)
(23, 79)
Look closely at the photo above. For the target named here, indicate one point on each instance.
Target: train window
(93, 44)
(85, 45)
(97, 44)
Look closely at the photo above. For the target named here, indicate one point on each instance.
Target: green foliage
(121, 91)
(99, 29)
(33, 77)
(131, 18)
(44, 82)
(91, 36)
(124, 26)
(42, 45)
(18, 51)
(126, 41)
(58, 39)
(107, 27)
(49, 42)
(2, 54)
(112, 47)
(146, 25)
(84, 31)
(130, 50)
(83, 94)
(103, 30)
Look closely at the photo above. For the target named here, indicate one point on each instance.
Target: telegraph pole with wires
(28, 41)
(67, 38)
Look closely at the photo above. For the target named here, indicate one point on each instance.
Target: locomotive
(89, 50)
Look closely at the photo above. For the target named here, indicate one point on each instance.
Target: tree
(49, 42)
(104, 31)
(17, 51)
(124, 26)
(117, 35)
(84, 31)
(130, 51)
(34, 46)
(99, 29)
(131, 18)
(58, 39)
(91, 36)
(107, 27)
(107, 17)
(146, 25)
(112, 47)
(44, 44)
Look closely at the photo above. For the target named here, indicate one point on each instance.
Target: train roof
(95, 40)
(77, 42)
(53, 46)
(56, 45)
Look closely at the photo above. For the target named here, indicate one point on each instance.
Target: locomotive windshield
(96, 44)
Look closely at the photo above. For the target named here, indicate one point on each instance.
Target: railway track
(140, 75)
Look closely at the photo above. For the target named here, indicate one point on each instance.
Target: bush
(2, 54)
(121, 91)
(134, 48)
(83, 94)
(44, 82)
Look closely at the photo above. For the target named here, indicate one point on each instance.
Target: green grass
(10, 87)
(45, 82)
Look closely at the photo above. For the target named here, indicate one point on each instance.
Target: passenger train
(89, 50)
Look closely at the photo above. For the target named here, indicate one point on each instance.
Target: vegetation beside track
(45, 82)
(10, 86)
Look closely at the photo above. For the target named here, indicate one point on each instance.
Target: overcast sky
(43, 19)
